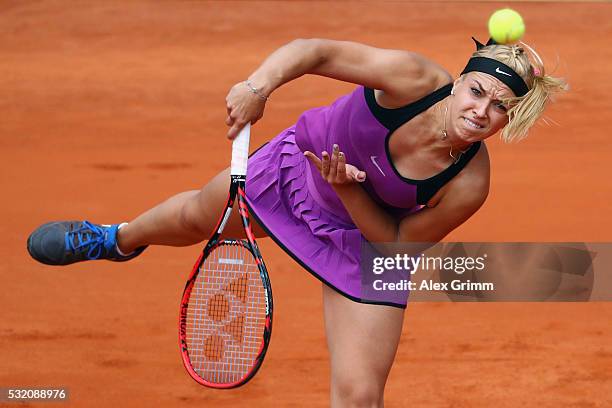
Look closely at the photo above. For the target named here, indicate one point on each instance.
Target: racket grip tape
(240, 152)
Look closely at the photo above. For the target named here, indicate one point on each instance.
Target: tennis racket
(225, 319)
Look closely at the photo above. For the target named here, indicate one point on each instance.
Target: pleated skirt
(280, 197)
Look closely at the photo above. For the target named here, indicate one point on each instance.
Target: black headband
(497, 69)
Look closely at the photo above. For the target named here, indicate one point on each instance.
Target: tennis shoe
(67, 242)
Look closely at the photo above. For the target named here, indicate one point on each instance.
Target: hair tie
(517, 50)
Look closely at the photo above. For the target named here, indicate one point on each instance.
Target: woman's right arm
(401, 74)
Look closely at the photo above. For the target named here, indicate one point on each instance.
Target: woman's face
(476, 111)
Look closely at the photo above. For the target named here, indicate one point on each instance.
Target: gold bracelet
(256, 91)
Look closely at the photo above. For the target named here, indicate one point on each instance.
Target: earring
(452, 91)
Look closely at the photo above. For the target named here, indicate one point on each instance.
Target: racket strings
(226, 315)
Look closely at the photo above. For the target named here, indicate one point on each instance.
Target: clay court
(107, 108)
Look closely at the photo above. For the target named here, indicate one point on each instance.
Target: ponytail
(526, 110)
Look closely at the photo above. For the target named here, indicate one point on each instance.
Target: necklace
(445, 136)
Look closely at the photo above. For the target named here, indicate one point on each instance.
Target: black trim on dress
(393, 118)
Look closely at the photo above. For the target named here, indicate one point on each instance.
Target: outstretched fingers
(334, 168)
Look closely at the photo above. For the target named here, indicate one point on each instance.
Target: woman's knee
(192, 216)
(201, 212)
(348, 390)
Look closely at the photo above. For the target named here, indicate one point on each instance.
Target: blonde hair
(524, 111)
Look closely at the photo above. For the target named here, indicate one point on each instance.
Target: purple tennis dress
(301, 211)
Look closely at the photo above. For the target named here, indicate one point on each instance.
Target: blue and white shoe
(67, 242)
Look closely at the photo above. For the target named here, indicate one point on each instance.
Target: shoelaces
(88, 236)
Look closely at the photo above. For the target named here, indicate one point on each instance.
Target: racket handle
(240, 151)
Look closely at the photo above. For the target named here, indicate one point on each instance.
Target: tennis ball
(506, 26)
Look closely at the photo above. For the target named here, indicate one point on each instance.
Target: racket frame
(236, 191)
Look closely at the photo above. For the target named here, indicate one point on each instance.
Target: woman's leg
(362, 341)
(184, 219)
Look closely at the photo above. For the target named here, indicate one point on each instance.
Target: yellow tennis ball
(506, 26)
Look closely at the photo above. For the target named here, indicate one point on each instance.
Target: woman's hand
(243, 106)
(334, 170)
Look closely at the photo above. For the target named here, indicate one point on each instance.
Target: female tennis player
(399, 159)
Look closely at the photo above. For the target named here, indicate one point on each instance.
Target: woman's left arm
(431, 224)
(462, 198)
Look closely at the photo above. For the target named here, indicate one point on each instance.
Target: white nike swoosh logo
(373, 158)
(499, 71)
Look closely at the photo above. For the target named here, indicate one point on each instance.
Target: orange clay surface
(106, 109)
